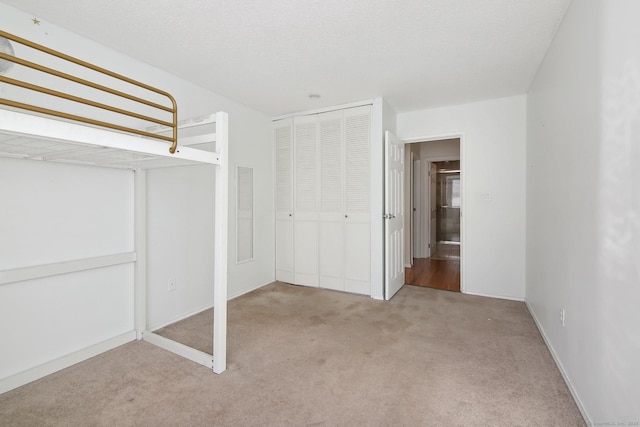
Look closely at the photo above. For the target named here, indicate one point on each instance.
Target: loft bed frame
(109, 144)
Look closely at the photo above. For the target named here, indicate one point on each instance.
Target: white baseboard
(183, 316)
(239, 294)
(56, 365)
(572, 390)
(495, 296)
(201, 309)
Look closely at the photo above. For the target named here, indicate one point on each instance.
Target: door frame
(415, 191)
(463, 174)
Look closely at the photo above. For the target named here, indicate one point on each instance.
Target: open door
(393, 215)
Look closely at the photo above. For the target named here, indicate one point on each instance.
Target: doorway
(435, 195)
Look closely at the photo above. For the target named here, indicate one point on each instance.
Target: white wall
(389, 117)
(493, 159)
(438, 150)
(250, 145)
(37, 226)
(184, 229)
(50, 213)
(583, 206)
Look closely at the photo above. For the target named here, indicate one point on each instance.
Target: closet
(323, 183)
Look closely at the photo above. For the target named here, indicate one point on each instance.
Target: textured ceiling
(271, 54)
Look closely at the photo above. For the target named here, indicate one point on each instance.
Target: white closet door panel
(357, 217)
(331, 161)
(331, 216)
(284, 163)
(284, 216)
(357, 254)
(357, 228)
(305, 216)
(306, 252)
(357, 257)
(283, 133)
(357, 124)
(305, 163)
(357, 287)
(331, 251)
(333, 283)
(284, 249)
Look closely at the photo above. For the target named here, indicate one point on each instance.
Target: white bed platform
(39, 138)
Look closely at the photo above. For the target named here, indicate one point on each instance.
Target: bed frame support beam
(140, 230)
(179, 349)
(218, 359)
(64, 267)
(221, 247)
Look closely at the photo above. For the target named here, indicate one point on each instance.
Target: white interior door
(394, 214)
(433, 184)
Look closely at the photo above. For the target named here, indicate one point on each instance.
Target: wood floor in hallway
(434, 273)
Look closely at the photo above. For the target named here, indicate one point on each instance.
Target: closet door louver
(283, 130)
(357, 229)
(305, 216)
(331, 215)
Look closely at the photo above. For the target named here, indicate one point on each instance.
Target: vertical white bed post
(140, 219)
(221, 236)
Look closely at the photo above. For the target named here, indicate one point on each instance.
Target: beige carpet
(308, 357)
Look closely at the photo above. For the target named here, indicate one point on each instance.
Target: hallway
(434, 273)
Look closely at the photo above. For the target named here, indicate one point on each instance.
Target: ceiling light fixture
(6, 48)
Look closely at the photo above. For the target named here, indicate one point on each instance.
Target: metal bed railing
(173, 109)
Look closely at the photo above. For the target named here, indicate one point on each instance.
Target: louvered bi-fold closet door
(283, 134)
(332, 212)
(357, 225)
(305, 216)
